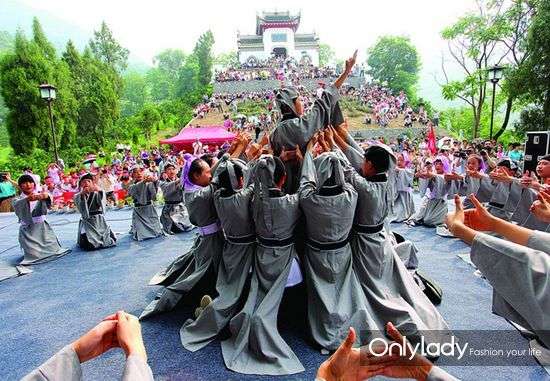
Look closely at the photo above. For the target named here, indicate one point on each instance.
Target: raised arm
(350, 62)
(467, 224)
(308, 181)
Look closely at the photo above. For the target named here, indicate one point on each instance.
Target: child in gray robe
(388, 286)
(93, 231)
(256, 346)
(530, 186)
(37, 239)
(233, 205)
(502, 178)
(403, 204)
(434, 208)
(196, 270)
(145, 220)
(174, 217)
(296, 129)
(335, 300)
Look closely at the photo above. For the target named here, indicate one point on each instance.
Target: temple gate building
(276, 36)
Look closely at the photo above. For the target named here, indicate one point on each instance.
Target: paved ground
(43, 311)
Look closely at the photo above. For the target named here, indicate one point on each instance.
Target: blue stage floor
(47, 309)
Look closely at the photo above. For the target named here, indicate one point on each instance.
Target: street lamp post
(495, 75)
(47, 92)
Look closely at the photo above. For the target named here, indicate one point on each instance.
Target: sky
(148, 27)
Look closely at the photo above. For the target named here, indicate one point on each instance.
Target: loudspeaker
(536, 146)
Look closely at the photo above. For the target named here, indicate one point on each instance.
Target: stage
(60, 300)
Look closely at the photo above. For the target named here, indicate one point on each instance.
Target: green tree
(108, 50)
(149, 119)
(6, 42)
(98, 102)
(27, 120)
(160, 85)
(188, 79)
(473, 43)
(135, 95)
(204, 57)
(535, 74)
(162, 80)
(326, 54)
(170, 61)
(41, 40)
(229, 59)
(394, 61)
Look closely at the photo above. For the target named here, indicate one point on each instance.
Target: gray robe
(483, 190)
(65, 366)
(92, 220)
(256, 346)
(389, 288)
(298, 131)
(522, 211)
(8, 271)
(37, 239)
(145, 220)
(434, 207)
(235, 215)
(335, 299)
(174, 217)
(520, 276)
(188, 269)
(403, 205)
(499, 197)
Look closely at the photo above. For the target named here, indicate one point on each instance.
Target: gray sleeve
(539, 241)
(308, 178)
(136, 369)
(519, 275)
(63, 366)
(299, 131)
(438, 374)
(355, 158)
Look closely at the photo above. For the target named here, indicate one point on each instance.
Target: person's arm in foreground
(466, 224)
(118, 330)
(349, 363)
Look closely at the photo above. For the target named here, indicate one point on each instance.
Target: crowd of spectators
(276, 68)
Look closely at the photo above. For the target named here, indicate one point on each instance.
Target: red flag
(431, 140)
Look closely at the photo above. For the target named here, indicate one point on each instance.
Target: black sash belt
(95, 213)
(496, 205)
(269, 242)
(327, 245)
(140, 205)
(368, 229)
(241, 240)
(172, 202)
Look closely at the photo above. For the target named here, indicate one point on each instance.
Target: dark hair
(280, 170)
(225, 181)
(208, 158)
(546, 157)
(438, 161)
(505, 163)
(379, 157)
(287, 112)
(25, 179)
(195, 169)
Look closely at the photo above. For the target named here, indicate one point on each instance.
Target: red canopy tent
(206, 134)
